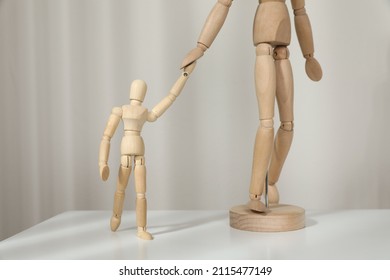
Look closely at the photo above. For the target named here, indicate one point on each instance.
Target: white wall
(64, 64)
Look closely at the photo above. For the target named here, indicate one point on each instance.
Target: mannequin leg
(141, 205)
(284, 136)
(265, 81)
(123, 178)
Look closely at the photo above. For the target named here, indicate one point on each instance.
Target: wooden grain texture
(279, 218)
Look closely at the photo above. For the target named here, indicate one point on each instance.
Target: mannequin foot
(143, 234)
(115, 222)
(273, 194)
(257, 206)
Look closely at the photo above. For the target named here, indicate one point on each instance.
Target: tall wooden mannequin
(134, 115)
(273, 80)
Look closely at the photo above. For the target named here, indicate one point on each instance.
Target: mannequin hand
(313, 69)
(192, 56)
(189, 68)
(104, 172)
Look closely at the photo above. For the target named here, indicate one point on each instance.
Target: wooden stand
(280, 217)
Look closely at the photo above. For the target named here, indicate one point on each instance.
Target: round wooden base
(280, 217)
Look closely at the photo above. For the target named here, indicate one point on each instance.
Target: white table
(349, 234)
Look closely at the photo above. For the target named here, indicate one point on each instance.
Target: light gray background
(65, 63)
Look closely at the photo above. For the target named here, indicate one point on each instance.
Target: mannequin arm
(104, 150)
(210, 30)
(175, 91)
(305, 38)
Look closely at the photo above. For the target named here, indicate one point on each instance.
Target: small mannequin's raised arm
(175, 91)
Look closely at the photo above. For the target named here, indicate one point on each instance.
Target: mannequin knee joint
(287, 126)
(268, 123)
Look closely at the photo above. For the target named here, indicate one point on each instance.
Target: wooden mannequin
(134, 115)
(273, 79)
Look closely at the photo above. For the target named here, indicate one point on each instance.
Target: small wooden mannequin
(273, 80)
(134, 115)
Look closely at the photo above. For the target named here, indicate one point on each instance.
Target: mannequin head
(138, 90)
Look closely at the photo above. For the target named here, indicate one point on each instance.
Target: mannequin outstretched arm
(210, 30)
(175, 91)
